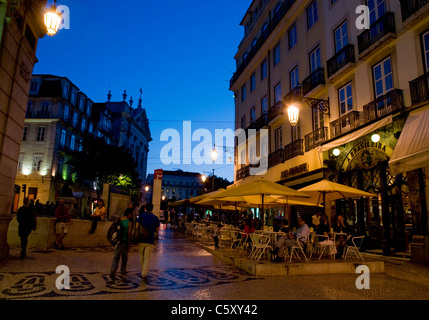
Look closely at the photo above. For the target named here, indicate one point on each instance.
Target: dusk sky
(181, 53)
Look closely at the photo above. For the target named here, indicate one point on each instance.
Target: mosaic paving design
(41, 285)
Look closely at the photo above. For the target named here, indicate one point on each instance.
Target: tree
(219, 183)
(103, 163)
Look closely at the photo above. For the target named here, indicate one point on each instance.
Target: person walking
(98, 215)
(26, 222)
(123, 246)
(151, 222)
(61, 225)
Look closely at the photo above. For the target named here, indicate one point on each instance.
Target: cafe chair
(354, 249)
(321, 246)
(296, 250)
(225, 237)
(260, 243)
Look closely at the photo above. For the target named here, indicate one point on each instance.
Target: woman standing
(98, 215)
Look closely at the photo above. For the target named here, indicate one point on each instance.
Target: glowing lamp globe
(293, 114)
(52, 21)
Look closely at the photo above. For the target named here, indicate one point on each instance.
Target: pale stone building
(354, 88)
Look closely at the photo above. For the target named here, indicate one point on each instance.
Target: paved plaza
(182, 270)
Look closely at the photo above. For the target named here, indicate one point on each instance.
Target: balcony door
(377, 9)
(426, 50)
(383, 82)
(315, 60)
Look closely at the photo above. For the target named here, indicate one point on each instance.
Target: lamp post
(52, 20)
(297, 98)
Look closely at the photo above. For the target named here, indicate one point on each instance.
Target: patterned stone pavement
(182, 270)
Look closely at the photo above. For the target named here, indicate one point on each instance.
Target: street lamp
(214, 154)
(203, 178)
(296, 97)
(52, 20)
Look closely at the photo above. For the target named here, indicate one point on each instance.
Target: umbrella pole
(263, 212)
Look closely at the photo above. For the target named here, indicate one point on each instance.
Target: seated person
(323, 229)
(341, 226)
(290, 240)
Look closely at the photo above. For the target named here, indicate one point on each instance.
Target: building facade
(58, 117)
(354, 88)
(21, 25)
(177, 185)
(130, 127)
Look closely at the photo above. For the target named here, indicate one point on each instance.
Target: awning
(412, 150)
(356, 134)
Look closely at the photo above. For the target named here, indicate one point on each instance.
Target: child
(216, 235)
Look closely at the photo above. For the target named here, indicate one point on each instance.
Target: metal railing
(419, 89)
(382, 106)
(312, 81)
(315, 138)
(276, 157)
(409, 7)
(294, 149)
(346, 123)
(341, 59)
(380, 28)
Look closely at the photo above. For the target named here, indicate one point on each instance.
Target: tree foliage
(104, 163)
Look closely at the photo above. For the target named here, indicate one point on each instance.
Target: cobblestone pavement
(182, 270)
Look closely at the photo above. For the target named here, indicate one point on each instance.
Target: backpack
(139, 233)
(114, 232)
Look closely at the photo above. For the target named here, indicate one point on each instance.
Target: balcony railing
(379, 29)
(294, 149)
(419, 89)
(275, 111)
(312, 81)
(276, 157)
(341, 59)
(242, 173)
(409, 7)
(259, 123)
(386, 104)
(315, 138)
(346, 123)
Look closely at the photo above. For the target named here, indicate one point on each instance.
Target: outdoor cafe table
(274, 236)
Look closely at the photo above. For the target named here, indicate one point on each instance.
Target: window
(294, 78)
(315, 60)
(37, 162)
(90, 128)
(75, 119)
(66, 89)
(278, 93)
(73, 97)
(63, 138)
(83, 125)
(66, 112)
(276, 56)
(88, 109)
(25, 134)
(264, 106)
(45, 109)
(41, 134)
(81, 104)
(20, 161)
(252, 115)
(312, 15)
(243, 93)
(345, 96)
(296, 132)
(318, 120)
(263, 69)
(243, 122)
(278, 139)
(33, 86)
(72, 142)
(341, 37)
(377, 9)
(426, 50)
(292, 37)
(383, 78)
(252, 82)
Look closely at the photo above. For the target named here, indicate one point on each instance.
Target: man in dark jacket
(26, 222)
(151, 222)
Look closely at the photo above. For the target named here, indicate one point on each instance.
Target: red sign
(158, 174)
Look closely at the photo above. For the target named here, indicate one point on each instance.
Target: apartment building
(58, 116)
(355, 89)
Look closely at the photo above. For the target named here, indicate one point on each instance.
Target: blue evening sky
(181, 53)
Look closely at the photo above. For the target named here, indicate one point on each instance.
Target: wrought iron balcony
(380, 28)
(386, 104)
(242, 173)
(341, 59)
(259, 123)
(419, 89)
(315, 138)
(294, 149)
(275, 111)
(409, 7)
(312, 81)
(276, 158)
(346, 123)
